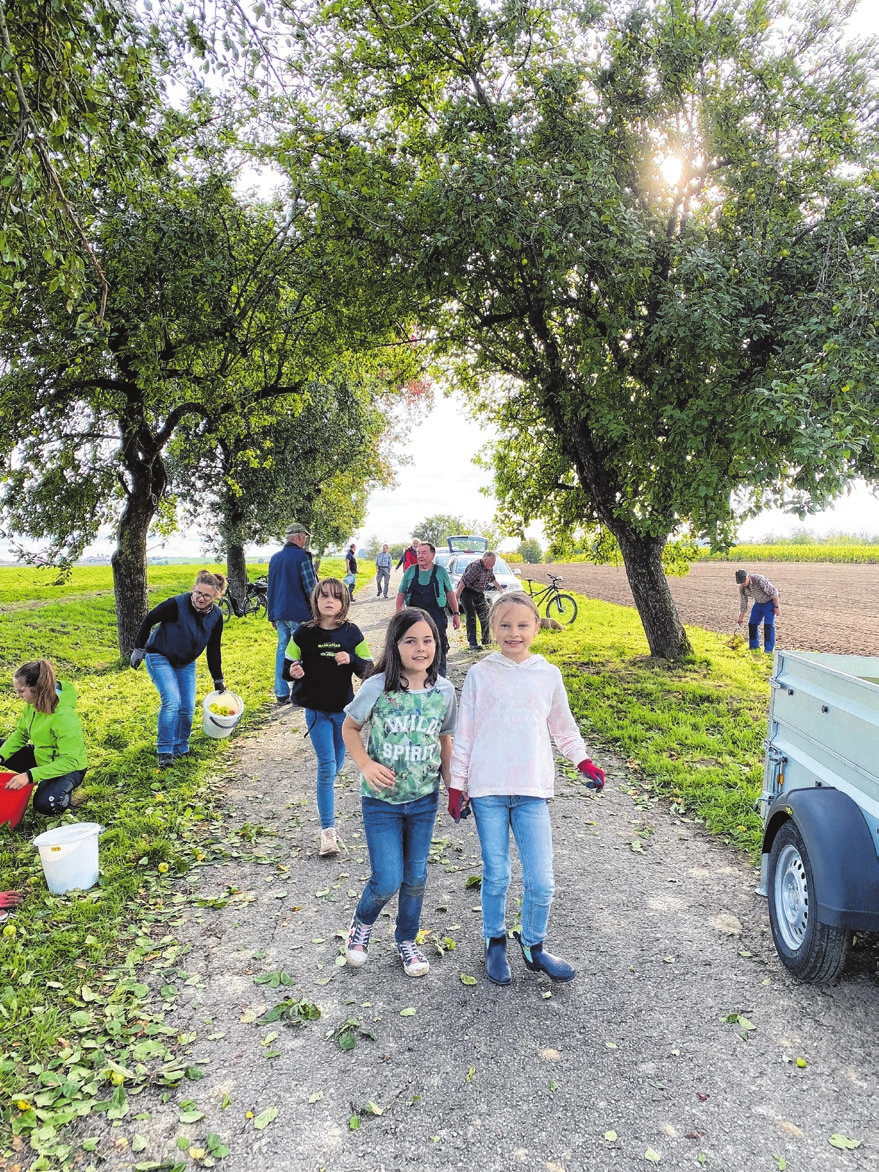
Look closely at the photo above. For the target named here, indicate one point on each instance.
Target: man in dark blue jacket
(291, 581)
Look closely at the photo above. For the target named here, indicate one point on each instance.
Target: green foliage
(78, 99)
(855, 554)
(437, 528)
(529, 551)
(655, 350)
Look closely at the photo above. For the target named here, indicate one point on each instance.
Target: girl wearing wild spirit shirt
(512, 703)
(411, 713)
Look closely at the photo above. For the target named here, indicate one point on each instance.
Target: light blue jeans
(286, 627)
(528, 818)
(398, 835)
(325, 730)
(176, 688)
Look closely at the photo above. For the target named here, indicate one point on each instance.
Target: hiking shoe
(472, 646)
(358, 942)
(166, 760)
(279, 700)
(329, 844)
(415, 963)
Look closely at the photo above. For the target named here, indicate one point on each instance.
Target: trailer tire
(813, 952)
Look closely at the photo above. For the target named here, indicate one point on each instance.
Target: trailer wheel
(813, 952)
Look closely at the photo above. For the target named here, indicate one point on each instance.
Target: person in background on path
(411, 714)
(429, 587)
(475, 580)
(383, 564)
(288, 601)
(409, 556)
(46, 748)
(764, 610)
(323, 655)
(185, 626)
(513, 706)
(351, 568)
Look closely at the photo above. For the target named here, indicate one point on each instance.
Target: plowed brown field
(824, 607)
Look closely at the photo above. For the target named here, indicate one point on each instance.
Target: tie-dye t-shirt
(404, 733)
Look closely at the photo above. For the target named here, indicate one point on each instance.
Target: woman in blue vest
(184, 626)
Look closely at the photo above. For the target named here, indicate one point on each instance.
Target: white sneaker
(415, 963)
(358, 943)
(329, 844)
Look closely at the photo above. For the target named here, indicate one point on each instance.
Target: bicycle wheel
(251, 604)
(226, 607)
(562, 608)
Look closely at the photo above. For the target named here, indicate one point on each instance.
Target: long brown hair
(336, 589)
(390, 662)
(39, 675)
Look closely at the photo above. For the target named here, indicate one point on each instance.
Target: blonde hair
(207, 578)
(515, 598)
(336, 589)
(39, 675)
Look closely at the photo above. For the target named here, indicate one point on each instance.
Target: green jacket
(56, 737)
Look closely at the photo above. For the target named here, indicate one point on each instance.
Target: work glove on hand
(595, 775)
(220, 685)
(459, 804)
(137, 658)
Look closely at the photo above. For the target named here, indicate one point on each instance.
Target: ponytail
(40, 676)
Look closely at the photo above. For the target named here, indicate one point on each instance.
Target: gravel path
(634, 1062)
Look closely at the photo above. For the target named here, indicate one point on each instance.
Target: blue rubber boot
(496, 968)
(538, 961)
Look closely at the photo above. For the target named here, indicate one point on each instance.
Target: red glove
(595, 775)
(459, 804)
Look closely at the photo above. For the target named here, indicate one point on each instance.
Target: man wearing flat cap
(291, 581)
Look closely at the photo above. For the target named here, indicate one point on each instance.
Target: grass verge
(81, 1031)
(692, 733)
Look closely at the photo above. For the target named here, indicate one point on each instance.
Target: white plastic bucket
(220, 726)
(69, 855)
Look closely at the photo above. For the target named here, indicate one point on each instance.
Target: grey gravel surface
(632, 1063)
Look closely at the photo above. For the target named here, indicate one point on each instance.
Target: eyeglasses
(204, 597)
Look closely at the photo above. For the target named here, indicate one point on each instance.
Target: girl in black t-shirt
(321, 657)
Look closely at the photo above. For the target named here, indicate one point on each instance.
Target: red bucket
(13, 802)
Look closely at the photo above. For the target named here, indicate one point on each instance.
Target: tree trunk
(236, 571)
(130, 568)
(642, 557)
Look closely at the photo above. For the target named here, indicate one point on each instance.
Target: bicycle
(559, 606)
(254, 600)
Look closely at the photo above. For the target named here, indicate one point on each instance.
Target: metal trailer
(820, 808)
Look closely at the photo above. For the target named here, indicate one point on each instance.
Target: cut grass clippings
(693, 733)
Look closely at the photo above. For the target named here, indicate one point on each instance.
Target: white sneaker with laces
(358, 943)
(329, 843)
(415, 963)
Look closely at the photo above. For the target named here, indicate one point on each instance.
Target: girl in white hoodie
(513, 705)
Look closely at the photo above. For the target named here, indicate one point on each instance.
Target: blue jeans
(286, 627)
(398, 837)
(762, 612)
(529, 819)
(325, 730)
(176, 688)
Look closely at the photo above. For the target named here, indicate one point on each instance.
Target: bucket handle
(228, 727)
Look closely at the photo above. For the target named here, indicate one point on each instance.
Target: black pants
(475, 605)
(52, 795)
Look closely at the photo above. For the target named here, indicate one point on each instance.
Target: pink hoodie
(507, 715)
